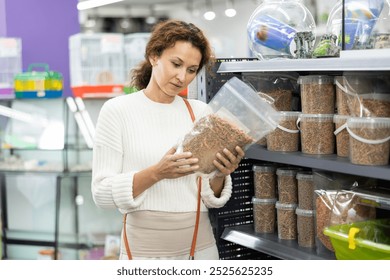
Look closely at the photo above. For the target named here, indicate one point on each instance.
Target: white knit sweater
(133, 133)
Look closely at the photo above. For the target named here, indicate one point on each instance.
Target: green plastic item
(34, 81)
(367, 240)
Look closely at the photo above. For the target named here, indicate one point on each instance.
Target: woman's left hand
(227, 162)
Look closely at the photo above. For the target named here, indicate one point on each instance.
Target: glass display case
(45, 178)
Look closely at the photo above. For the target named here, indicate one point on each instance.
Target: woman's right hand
(176, 165)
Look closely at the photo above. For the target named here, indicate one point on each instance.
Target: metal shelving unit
(355, 60)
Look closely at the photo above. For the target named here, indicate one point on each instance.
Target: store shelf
(272, 245)
(331, 163)
(353, 60)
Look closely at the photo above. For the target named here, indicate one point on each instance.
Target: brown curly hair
(164, 35)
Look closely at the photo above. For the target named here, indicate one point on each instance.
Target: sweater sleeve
(111, 188)
(208, 197)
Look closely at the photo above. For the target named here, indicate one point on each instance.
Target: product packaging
(236, 116)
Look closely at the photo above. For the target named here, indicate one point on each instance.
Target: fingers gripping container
(236, 116)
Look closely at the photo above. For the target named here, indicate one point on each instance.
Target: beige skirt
(153, 234)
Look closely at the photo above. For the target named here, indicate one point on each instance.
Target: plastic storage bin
(97, 64)
(306, 228)
(264, 215)
(285, 138)
(10, 65)
(38, 84)
(368, 240)
(305, 190)
(369, 140)
(264, 177)
(279, 86)
(287, 185)
(286, 220)
(317, 94)
(317, 136)
(276, 29)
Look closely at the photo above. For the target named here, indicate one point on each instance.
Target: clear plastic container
(264, 177)
(317, 94)
(365, 21)
(285, 138)
(264, 215)
(287, 184)
(342, 135)
(317, 136)
(10, 65)
(237, 115)
(306, 228)
(369, 140)
(279, 87)
(286, 220)
(276, 27)
(305, 190)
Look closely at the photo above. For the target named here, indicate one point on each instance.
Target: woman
(135, 164)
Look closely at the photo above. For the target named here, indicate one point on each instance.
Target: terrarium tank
(281, 29)
(366, 24)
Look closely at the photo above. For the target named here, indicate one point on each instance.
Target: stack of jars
(363, 117)
(264, 218)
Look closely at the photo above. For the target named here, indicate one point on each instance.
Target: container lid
(375, 96)
(263, 168)
(283, 206)
(340, 118)
(287, 171)
(256, 200)
(368, 122)
(288, 115)
(305, 175)
(304, 212)
(316, 79)
(317, 117)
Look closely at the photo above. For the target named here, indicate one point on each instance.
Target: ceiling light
(209, 14)
(230, 11)
(84, 5)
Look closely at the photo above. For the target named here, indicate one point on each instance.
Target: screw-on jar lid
(256, 200)
(316, 79)
(304, 212)
(305, 175)
(287, 171)
(263, 168)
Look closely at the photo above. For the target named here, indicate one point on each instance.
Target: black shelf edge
(270, 244)
(324, 162)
